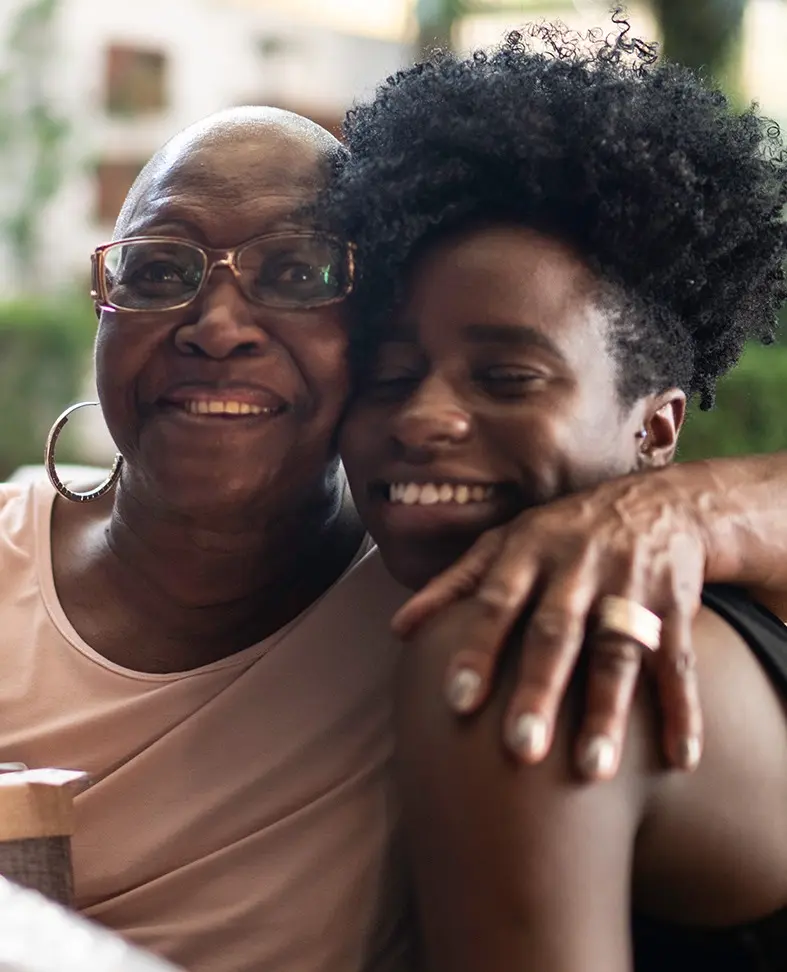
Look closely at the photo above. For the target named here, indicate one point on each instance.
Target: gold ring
(630, 619)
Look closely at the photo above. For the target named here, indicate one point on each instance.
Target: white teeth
(411, 494)
(430, 494)
(215, 407)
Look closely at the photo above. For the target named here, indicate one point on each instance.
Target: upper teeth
(202, 407)
(427, 494)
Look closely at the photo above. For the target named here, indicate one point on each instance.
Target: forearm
(741, 508)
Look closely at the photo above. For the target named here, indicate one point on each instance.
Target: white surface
(37, 935)
(87, 475)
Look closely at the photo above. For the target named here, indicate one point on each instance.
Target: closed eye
(389, 385)
(506, 381)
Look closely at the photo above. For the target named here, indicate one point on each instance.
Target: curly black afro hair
(672, 198)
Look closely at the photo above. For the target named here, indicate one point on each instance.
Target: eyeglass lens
(281, 271)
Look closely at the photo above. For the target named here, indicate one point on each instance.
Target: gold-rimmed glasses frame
(212, 258)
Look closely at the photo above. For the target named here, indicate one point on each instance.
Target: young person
(550, 266)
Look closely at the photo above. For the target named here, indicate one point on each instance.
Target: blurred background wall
(90, 88)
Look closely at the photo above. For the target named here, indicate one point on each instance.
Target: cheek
(122, 348)
(327, 375)
(560, 445)
(594, 445)
(535, 439)
(322, 360)
(114, 369)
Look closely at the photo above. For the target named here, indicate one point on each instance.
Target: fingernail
(12, 767)
(463, 690)
(527, 736)
(598, 757)
(689, 752)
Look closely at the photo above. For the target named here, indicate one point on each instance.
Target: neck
(202, 561)
(186, 590)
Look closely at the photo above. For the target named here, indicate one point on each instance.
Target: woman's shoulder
(724, 826)
(25, 508)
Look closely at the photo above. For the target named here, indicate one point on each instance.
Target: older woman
(583, 240)
(206, 636)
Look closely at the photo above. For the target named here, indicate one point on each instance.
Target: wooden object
(36, 824)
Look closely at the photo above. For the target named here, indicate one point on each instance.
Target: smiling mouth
(437, 493)
(226, 408)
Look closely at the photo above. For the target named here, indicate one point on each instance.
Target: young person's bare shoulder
(713, 845)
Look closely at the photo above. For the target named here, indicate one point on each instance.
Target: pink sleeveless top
(241, 816)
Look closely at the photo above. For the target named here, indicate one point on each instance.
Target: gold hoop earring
(51, 468)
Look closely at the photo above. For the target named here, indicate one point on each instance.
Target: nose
(224, 324)
(431, 420)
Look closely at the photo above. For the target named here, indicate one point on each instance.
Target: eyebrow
(512, 335)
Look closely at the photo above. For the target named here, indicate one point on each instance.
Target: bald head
(282, 150)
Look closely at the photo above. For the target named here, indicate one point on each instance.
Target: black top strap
(764, 633)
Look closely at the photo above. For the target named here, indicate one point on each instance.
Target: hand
(633, 537)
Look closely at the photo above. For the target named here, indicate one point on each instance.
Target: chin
(413, 565)
(209, 493)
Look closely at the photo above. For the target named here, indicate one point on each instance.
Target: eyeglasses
(163, 273)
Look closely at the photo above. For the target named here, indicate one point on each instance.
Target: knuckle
(616, 656)
(682, 662)
(683, 589)
(574, 594)
(631, 560)
(551, 626)
(497, 596)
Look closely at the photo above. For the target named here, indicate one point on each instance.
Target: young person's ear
(661, 428)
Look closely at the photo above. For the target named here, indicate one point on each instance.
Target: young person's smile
(493, 391)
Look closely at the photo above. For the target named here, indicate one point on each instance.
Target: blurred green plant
(750, 413)
(44, 355)
(704, 35)
(33, 134)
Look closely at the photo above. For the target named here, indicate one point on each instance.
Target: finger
(457, 582)
(489, 613)
(614, 664)
(676, 676)
(550, 648)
